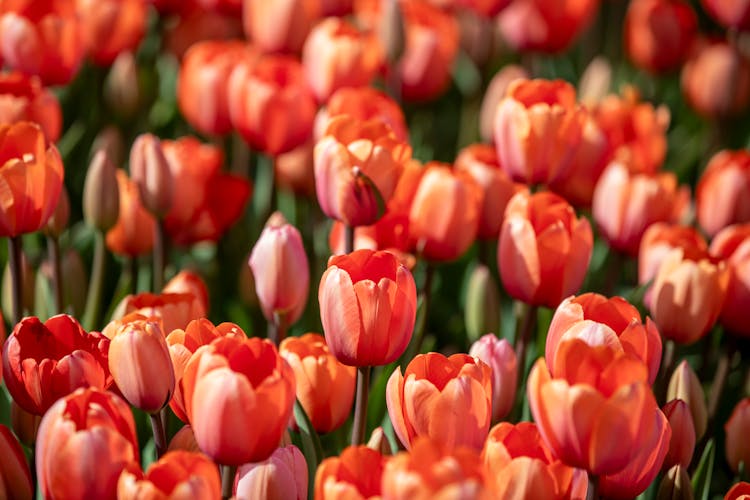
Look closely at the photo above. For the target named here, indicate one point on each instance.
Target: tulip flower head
(283, 476)
(356, 473)
(499, 355)
(23, 98)
(723, 192)
(15, 477)
(733, 245)
(737, 450)
(177, 474)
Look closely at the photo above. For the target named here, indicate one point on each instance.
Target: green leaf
(704, 471)
(310, 443)
(148, 454)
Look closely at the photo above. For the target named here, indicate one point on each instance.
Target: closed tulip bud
(501, 358)
(740, 491)
(110, 140)
(355, 473)
(283, 476)
(279, 26)
(15, 477)
(122, 91)
(133, 234)
(25, 99)
(730, 13)
(140, 364)
(675, 485)
(177, 474)
(544, 249)
(184, 439)
(58, 221)
(682, 445)
(684, 385)
(496, 90)
(379, 442)
(368, 306)
(101, 195)
(175, 310)
(111, 27)
(150, 172)
(28, 278)
(723, 194)
(25, 425)
(418, 400)
(89, 426)
(595, 81)
(482, 309)
(325, 387)
(736, 428)
(733, 245)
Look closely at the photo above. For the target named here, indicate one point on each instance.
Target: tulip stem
(132, 265)
(227, 480)
(421, 323)
(524, 327)
(348, 239)
(277, 328)
(667, 366)
(159, 262)
(94, 297)
(360, 405)
(720, 380)
(592, 493)
(16, 278)
(160, 437)
(53, 248)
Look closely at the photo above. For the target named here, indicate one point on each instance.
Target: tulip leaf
(702, 476)
(4, 405)
(148, 454)
(311, 447)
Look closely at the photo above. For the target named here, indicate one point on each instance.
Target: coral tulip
(730, 13)
(356, 473)
(496, 91)
(325, 387)
(196, 24)
(177, 474)
(368, 305)
(723, 194)
(175, 310)
(15, 477)
(188, 282)
(283, 476)
(43, 362)
(682, 444)
(733, 245)
(112, 26)
(23, 98)
(85, 441)
(448, 400)
(544, 249)
(501, 358)
(229, 382)
(736, 428)
(184, 439)
(363, 103)
(133, 234)
(279, 26)
(659, 240)
(684, 385)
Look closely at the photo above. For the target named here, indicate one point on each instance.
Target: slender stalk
(16, 276)
(592, 493)
(348, 239)
(96, 285)
(53, 249)
(667, 367)
(159, 261)
(524, 327)
(277, 328)
(421, 324)
(720, 380)
(227, 480)
(360, 405)
(132, 265)
(160, 436)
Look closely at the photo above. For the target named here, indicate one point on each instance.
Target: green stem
(524, 327)
(720, 380)
(159, 261)
(348, 239)
(53, 248)
(16, 277)
(132, 265)
(277, 328)
(227, 480)
(360, 405)
(667, 367)
(96, 285)
(160, 437)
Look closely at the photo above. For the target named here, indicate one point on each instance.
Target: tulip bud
(495, 93)
(500, 356)
(482, 310)
(15, 477)
(675, 485)
(595, 81)
(58, 221)
(736, 429)
(101, 196)
(685, 385)
(25, 424)
(379, 442)
(110, 140)
(150, 171)
(283, 476)
(184, 439)
(121, 90)
(682, 444)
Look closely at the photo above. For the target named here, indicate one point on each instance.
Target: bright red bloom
(723, 194)
(22, 98)
(15, 477)
(178, 474)
(356, 473)
(111, 26)
(733, 245)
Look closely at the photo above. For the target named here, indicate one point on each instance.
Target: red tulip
(659, 240)
(191, 283)
(152, 174)
(280, 26)
(175, 310)
(723, 194)
(110, 27)
(684, 385)
(499, 355)
(682, 444)
(15, 477)
(22, 98)
(736, 428)
(730, 13)
(733, 245)
(177, 474)
(740, 491)
(363, 103)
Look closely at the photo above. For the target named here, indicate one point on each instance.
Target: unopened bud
(101, 196)
(110, 140)
(150, 171)
(379, 442)
(482, 312)
(58, 221)
(121, 89)
(495, 92)
(682, 442)
(675, 485)
(685, 385)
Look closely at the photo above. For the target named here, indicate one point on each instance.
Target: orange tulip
(730, 13)
(175, 310)
(480, 161)
(337, 55)
(723, 194)
(499, 355)
(736, 429)
(740, 491)
(544, 249)
(196, 24)
(357, 166)
(228, 7)
(733, 245)
(486, 8)
(279, 26)
(202, 83)
(325, 387)
(363, 103)
(112, 26)
(85, 441)
(596, 410)
(688, 295)
(177, 474)
(682, 444)
(22, 98)
(140, 363)
(133, 234)
(598, 320)
(270, 104)
(43, 38)
(43, 362)
(356, 473)
(684, 385)
(538, 127)
(431, 471)
(660, 239)
(32, 174)
(15, 477)
(189, 282)
(283, 476)
(626, 203)
(209, 201)
(496, 90)
(658, 33)
(230, 382)
(368, 305)
(448, 400)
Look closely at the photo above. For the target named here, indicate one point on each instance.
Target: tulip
(43, 362)
(733, 245)
(175, 310)
(15, 478)
(196, 24)
(133, 234)
(482, 309)
(140, 363)
(379, 442)
(368, 304)
(501, 358)
(740, 491)
(675, 485)
(184, 439)
(496, 90)
(270, 103)
(538, 126)
(445, 211)
(684, 385)
(357, 166)
(25, 99)
(283, 476)
(544, 250)
(659, 240)
(190, 282)
(279, 26)
(178, 474)
(33, 176)
(151, 173)
(228, 7)
(230, 381)
(682, 445)
(356, 473)
(59, 219)
(688, 295)
(325, 387)
(625, 204)
(658, 33)
(736, 428)
(730, 13)
(111, 27)
(363, 103)
(85, 441)
(448, 400)
(294, 171)
(101, 195)
(122, 92)
(597, 320)
(337, 55)
(723, 194)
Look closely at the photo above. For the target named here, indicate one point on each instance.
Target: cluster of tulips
(435, 189)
